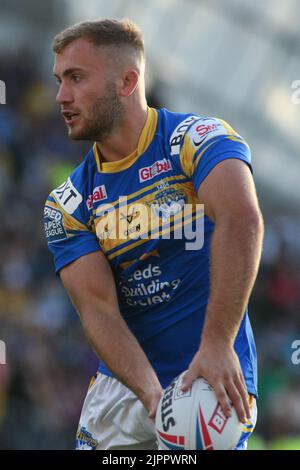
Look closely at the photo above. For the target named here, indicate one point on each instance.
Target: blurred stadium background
(234, 59)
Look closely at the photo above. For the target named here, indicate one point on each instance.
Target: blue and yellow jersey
(144, 214)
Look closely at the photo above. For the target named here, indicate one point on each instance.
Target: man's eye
(76, 78)
(57, 81)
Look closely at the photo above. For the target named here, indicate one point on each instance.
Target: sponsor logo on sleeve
(160, 166)
(99, 194)
(179, 132)
(68, 196)
(206, 129)
(54, 227)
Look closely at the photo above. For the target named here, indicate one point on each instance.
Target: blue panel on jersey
(221, 149)
(73, 248)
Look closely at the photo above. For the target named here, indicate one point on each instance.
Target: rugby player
(150, 307)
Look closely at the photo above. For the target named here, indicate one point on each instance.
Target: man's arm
(229, 199)
(91, 287)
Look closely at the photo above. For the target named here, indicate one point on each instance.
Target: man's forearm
(118, 348)
(235, 255)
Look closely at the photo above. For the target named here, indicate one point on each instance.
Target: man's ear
(128, 82)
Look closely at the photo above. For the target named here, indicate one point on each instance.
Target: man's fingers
(187, 381)
(238, 401)
(152, 414)
(232, 393)
(154, 404)
(223, 399)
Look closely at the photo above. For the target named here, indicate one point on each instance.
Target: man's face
(88, 98)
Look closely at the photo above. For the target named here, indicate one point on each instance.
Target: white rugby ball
(194, 420)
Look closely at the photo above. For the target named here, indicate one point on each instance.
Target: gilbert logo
(149, 172)
(99, 194)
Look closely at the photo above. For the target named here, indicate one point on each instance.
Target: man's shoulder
(72, 192)
(197, 127)
(84, 172)
(188, 119)
(171, 119)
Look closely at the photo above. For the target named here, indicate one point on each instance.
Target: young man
(146, 300)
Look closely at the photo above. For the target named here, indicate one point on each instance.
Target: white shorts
(113, 418)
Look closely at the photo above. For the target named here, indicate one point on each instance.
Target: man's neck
(125, 137)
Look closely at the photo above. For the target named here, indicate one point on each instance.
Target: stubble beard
(104, 115)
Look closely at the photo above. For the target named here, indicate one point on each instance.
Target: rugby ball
(194, 420)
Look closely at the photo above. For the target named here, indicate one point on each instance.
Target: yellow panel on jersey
(205, 143)
(145, 139)
(162, 282)
(70, 223)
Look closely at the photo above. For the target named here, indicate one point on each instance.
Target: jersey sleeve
(206, 143)
(68, 232)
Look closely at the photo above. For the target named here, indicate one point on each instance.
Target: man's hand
(151, 402)
(220, 366)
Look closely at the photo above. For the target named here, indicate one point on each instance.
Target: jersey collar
(145, 139)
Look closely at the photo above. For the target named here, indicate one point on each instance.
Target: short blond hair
(106, 32)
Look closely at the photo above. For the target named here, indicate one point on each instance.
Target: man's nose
(64, 94)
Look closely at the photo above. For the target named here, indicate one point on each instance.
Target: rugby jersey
(144, 214)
